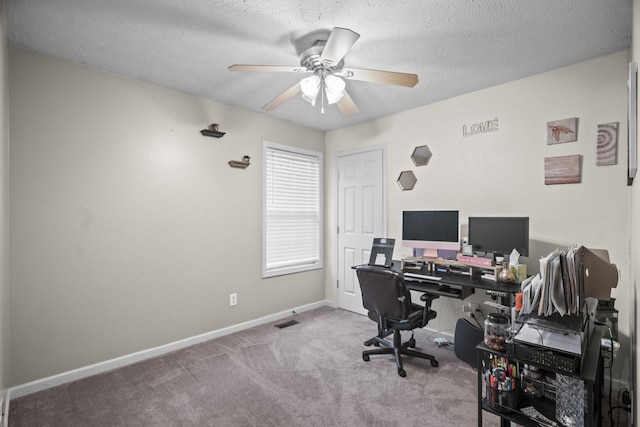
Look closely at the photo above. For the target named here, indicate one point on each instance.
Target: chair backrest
(384, 292)
(468, 336)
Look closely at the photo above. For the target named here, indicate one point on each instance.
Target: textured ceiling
(454, 46)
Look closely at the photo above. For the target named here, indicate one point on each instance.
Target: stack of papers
(556, 289)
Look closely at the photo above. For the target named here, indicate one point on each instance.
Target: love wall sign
(480, 127)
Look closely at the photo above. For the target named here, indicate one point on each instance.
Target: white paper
(380, 259)
(514, 257)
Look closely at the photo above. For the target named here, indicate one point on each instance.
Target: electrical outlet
(233, 299)
(471, 307)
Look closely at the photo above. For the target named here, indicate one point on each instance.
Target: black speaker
(467, 337)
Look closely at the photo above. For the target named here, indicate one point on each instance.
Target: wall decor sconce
(213, 131)
(407, 180)
(241, 164)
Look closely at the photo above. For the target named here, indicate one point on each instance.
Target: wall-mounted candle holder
(213, 131)
(241, 164)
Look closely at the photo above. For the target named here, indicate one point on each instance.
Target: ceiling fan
(324, 60)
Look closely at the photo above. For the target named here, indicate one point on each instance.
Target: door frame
(385, 209)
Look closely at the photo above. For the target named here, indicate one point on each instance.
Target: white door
(361, 217)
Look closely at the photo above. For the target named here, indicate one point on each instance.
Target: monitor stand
(425, 252)
(448, 254)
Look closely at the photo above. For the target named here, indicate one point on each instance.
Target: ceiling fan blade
(268, 68)
(284, 96)
(346, 105)
(339, 42)
(386, 77)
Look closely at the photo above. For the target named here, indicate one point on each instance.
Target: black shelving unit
(591, 373)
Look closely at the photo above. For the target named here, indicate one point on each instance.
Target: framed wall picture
(563, 170)
(561, 131)
(607, 145)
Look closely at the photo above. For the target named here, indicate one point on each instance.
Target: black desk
(457, 285)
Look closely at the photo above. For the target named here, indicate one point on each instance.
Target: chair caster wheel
(365, 357)
(435, 363)
(402, 372)
(412, 343)
(376, 343)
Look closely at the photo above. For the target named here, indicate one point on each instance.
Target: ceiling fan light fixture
(334, 87)
(325, 60)
(310, 88)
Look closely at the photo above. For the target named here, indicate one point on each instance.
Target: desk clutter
(497, 329)
(567, 392)
(524, 392)
(558, 307)
(552, 352)
(467, 265)
(566, 278)
(502, 384)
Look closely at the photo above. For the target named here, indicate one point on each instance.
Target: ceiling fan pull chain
(322, 94)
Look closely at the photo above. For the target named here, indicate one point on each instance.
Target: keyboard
(422, 277)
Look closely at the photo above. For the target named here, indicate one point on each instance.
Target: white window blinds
(292, 210)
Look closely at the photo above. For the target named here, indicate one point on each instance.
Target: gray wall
(129, 228)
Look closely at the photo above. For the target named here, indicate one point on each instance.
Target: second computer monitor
(499, 235)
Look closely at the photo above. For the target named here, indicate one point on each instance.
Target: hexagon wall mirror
(421, 155)
(407, 180)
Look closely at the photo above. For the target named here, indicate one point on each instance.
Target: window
(292, 210)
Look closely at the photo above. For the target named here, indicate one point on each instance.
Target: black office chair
(386, 296)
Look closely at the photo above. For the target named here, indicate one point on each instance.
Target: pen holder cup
(503, 400)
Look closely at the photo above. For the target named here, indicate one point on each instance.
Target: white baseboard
(5, 408)
(118, 362)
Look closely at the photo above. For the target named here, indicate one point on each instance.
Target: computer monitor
(429, 231)
(499, 235)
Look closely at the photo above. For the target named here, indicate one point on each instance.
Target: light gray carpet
(308, 374)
